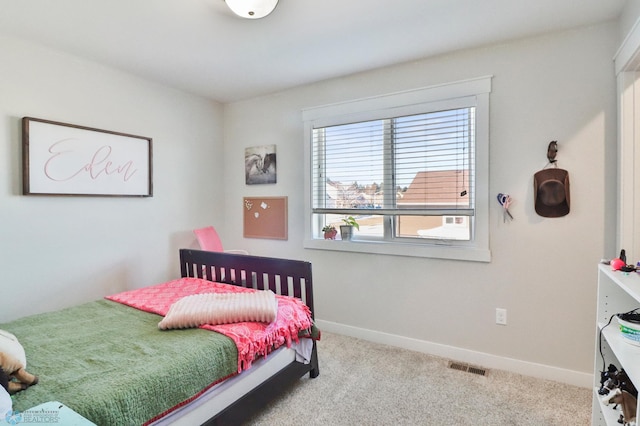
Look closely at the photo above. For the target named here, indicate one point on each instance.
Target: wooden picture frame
(265, 217)
(66, 159)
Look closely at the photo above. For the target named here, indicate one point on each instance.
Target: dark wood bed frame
(282, 276)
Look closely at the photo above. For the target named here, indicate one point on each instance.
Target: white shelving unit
(618, 292)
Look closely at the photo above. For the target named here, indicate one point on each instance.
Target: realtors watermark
(41, 416)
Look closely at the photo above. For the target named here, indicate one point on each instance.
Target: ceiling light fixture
(252, 9)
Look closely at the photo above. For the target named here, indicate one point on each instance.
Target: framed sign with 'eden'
(66, 159)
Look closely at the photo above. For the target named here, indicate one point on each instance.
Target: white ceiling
(201, 47)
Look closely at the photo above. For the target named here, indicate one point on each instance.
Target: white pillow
(9, 345)
(6, 404)
(221, 308)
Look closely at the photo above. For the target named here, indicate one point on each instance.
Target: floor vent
(467, 368)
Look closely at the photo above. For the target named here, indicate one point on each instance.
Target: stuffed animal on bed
(13, 364)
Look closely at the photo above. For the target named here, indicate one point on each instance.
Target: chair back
(208, 239)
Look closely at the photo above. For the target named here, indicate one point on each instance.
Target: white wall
(554, 87)
(628, 18)
(58, 251)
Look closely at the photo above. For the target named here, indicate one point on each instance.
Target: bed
(108, 361)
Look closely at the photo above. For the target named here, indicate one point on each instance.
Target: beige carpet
(363, 383)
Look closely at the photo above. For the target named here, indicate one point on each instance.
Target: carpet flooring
(363, 383)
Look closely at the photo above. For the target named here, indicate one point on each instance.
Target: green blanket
(112, 365)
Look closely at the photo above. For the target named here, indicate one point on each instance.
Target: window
(411, 167)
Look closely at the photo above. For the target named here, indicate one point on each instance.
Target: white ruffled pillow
(221, 308)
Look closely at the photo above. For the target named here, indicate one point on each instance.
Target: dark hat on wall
(551, 192)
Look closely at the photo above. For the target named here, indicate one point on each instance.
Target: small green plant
(328, 228)
(351, 221)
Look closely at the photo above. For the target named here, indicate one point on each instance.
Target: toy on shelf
(628, 403)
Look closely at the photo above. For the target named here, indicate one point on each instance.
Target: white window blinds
(418, 164)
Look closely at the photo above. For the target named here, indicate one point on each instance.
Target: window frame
(473, 92)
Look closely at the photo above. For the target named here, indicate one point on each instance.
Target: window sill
(471, 254)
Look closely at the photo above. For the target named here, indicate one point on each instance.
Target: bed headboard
(282, 276)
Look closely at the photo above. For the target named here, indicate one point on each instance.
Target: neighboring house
(347, 195)
(434, 188)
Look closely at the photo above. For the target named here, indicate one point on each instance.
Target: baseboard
(541, 371)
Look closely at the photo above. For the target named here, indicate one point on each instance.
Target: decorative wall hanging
(260, 165)
(265, 217)
(551, 187)
(505, 202)
(66, 159)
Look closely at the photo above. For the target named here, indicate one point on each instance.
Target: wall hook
(552, 150)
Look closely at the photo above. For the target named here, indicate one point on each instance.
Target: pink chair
(209, 240)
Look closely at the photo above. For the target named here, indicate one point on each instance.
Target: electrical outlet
(501, 316)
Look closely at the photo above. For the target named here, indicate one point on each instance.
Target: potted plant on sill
(330, 232)
(346, 230)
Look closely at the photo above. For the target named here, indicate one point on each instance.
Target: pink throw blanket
(252, 339)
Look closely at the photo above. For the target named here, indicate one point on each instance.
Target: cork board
(265, 217)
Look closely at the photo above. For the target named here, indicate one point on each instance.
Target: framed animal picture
(260, 165)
